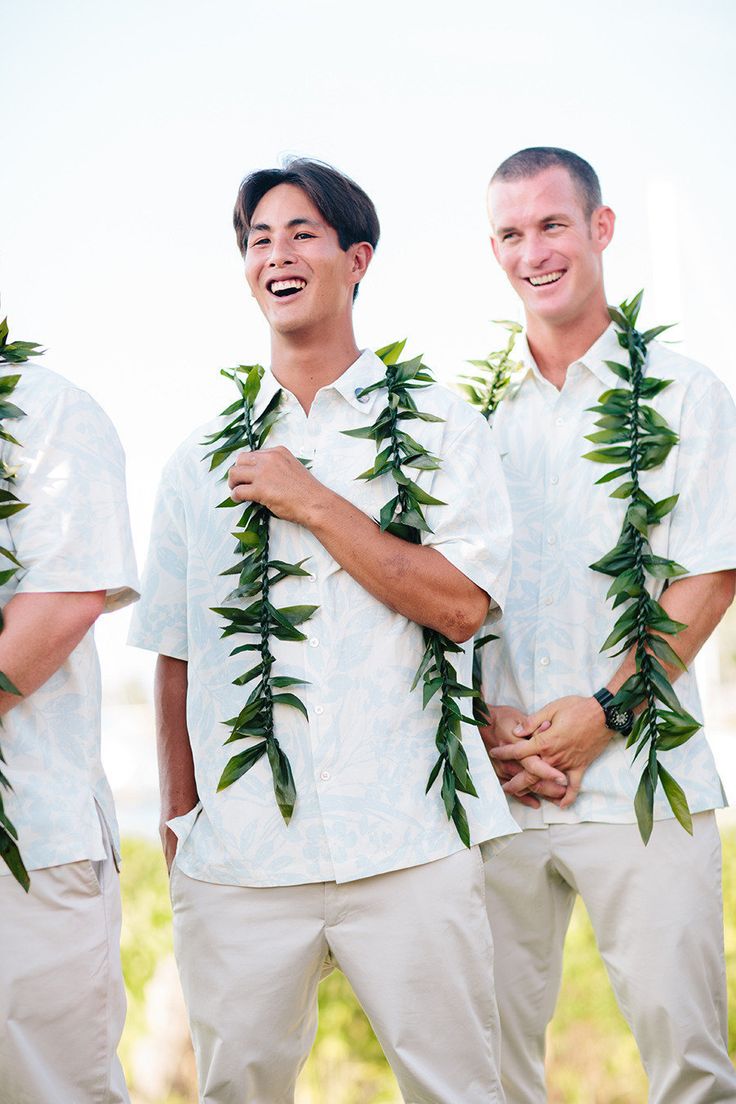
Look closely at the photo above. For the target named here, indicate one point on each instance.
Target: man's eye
(304, 234)
(510, 235)
(552, 225)
(260, 241)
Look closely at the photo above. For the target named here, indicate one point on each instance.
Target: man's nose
(282, 252)
(536, 250)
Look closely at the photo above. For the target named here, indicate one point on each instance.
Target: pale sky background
(126, 128)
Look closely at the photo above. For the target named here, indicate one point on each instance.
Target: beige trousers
(62, 1001)
(657, 916)
(415, 945)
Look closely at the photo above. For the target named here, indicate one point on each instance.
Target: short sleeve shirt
(74, 535)
(557, 615)
(362, 759)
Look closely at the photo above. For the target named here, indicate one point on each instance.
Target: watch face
(619, 719)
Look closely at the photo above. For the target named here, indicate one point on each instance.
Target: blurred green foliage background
(592, 1058)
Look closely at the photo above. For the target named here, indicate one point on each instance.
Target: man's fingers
(521, 750)
(544, 771)
(574, 782)
(536, 723)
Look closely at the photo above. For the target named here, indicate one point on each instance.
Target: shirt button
(360, 397)
(319, 710)
(559, 421)
(544, 661)
(313, 642)
(325, 776)
(548, 600)
(551, 539)
(555, 480)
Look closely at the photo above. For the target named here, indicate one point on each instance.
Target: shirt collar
(605, 348)
(363, 372)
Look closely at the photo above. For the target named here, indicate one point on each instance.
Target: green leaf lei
(257, 573)
(637, 438)
(493, 376)
(403, 515)
(16, 352)
(485, 390)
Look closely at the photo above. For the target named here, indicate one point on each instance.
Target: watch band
(604, 698)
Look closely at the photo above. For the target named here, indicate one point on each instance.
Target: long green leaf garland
(257, 574)
(484, 390)
(637, 438)
(403, 515)
(16, 352)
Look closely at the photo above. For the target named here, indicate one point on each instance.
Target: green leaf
(460, 820)
(293, 701)
(676, 798)
(10, 854)
(644, 806)
(430, 688)
(666, 652)
(240, 764)
(609, 455)
(7, 686)
(662, 568)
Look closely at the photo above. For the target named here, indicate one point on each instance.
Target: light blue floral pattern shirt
(362, 759)
(556, 615)
(73, 536)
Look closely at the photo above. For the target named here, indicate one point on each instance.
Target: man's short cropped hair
(339, 200)
(530, 162)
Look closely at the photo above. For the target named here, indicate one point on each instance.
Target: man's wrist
(618, 720)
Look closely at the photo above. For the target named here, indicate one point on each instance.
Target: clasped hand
(276, 479)
(548, 752)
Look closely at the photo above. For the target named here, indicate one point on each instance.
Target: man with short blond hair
(656, 910)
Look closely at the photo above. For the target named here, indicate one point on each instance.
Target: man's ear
(494, 247)
(602, 223)
(362, 256)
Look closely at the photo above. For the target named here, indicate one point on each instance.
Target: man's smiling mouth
(282, 288)
(545, 278)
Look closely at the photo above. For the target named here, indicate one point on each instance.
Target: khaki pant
(415, 945)
(62, 1001)
(657, 916)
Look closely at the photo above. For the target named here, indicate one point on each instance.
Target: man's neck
(556, 347)
(304, 363)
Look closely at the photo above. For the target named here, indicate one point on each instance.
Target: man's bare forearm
(411, 579)
(40, 632)
(698, 601)
(175, 764)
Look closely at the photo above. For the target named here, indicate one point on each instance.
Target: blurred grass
(592, 1058)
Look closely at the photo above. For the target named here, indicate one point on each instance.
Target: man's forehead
(547, 192)
(283, 205)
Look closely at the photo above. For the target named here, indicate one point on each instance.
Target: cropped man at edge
(369, 875)
(62, 1000)
(656, 909)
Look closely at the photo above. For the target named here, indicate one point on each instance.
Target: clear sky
(126, 128)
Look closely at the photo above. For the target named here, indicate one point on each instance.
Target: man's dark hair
(530, 162)
(339, 200)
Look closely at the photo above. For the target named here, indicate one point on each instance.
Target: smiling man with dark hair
(369, 875)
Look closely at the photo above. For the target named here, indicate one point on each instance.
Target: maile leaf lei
(400, 456)
(636, 438)
(259, 619)
(16, 352)
(484, 390)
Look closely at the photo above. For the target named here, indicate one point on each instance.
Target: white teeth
(287, 285)
(548, 278)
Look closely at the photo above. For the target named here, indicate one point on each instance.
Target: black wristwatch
(617, 719)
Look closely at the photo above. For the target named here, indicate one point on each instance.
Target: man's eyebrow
(261, 227)
(541, 221)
